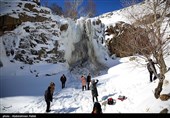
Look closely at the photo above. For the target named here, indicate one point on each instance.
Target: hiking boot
(48, 110)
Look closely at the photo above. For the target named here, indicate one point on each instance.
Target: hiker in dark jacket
(48, 98)
(97, 108)
(63, 80)
(94, 89)
(88, 81)
(152, 70)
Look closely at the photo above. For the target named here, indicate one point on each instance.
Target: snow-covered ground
(22, 92)
(22, 86)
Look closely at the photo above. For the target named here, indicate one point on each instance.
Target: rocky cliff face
(123, 39)
(40, 36)
(13, 14)
(27, 44)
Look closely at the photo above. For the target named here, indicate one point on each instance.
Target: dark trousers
(88, 87)
(63, 85)
(48, 106)
(151, 73)
(96, 98)
(83, 87)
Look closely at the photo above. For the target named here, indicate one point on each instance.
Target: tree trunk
(162, 66)
(163, 70)
(158, 89)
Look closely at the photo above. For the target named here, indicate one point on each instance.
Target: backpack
(110, 101)
(122, 98)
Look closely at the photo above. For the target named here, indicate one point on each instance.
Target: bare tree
(76, 8)
(56, 9)
(153, 17)
(71, 8)
(90, 9)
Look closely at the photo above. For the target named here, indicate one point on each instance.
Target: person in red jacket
(83, 81)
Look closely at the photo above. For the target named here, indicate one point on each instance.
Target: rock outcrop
(124, 38)
(25, 11)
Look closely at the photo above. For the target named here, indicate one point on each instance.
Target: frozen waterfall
(86, 43)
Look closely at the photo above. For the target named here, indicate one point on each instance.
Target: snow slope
(23, 93)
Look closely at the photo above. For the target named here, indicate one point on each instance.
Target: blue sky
(102, 6)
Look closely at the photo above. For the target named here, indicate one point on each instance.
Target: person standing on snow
(152, 70)
(94, 89)
(63, 80)
(83, 81)
(48, 98)
(52, 85)
(88, 81)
